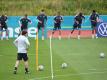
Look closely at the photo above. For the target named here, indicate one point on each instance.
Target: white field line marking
(92, 69)
(67, 75)
(52, 75)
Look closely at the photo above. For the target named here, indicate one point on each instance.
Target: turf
(82, 57)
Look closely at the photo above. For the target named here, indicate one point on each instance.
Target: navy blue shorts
(76, 25)
(21, 56)
(24, 28)
(93, 24)
(4, 26)
(39, 26)
(57, 26)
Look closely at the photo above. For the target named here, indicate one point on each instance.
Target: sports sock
(26, 69)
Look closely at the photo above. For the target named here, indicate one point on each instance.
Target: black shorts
(57, 26)
(39, 26)
(24, 28)
(21, 56)
(4, 26)
(93, 24)
(76, 25)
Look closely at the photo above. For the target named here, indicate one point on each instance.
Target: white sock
(59, 37)
(2, 38)
(42, 37)
(92, 36)
(78, 36)
(96, 36)
(7, 37)
(69, 36)
(50, 36)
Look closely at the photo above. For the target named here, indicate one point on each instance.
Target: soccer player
(24, 23)
(77, 23)
(42, 18)
(57, 24)
(22, 44)
(94, 17)
(3, 26)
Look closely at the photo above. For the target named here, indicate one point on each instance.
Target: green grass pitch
(82, 57)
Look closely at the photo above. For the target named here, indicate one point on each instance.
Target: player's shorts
(93, 24)
(24, 28)
(4, 26)
(76, 25)
(21, 56)
(57, 26)
(39, 26)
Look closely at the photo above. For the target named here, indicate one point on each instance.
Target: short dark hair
(24, 32)
(42, 10)
(25, 15)
(2, 15)
(94, 11)
(80, 14)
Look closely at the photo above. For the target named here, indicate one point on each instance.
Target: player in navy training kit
(42, 18)
(24, 23)
(3, 25)
(94, 17)
(77, 23)
(57, 24)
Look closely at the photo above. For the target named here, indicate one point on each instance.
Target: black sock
(15, 68)
(26, 69)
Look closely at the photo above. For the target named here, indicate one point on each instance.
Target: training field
(82, 57)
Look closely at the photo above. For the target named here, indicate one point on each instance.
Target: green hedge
(67, 7)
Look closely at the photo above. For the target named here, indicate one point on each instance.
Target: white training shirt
(22, 43)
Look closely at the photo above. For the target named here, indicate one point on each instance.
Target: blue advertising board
(13, 24)
(102, 29)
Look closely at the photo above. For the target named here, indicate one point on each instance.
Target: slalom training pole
(36, 51)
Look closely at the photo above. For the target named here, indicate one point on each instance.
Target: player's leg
(16, 66)
(1, 34)
(42, 33)
(93, 29)
(79, 31)
(19, 57)
(74, 27)
(7, 32)
(59, 28)
(54, 29)
(96, 31)
(93, 33)
(20, 30)
(25, 58)
(26, 67)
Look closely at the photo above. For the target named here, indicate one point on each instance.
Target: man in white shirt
(22, 44)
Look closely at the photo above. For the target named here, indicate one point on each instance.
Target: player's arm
(55, 19)
(45, 18)
(62, 19)
(20, 22)
(29, 21)
(16, 42)
(75, 20)
(92, 19)
(97, 17)
(39, 19)
(83, 17)
(27, 44)
(0, 23)
(6, 18)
